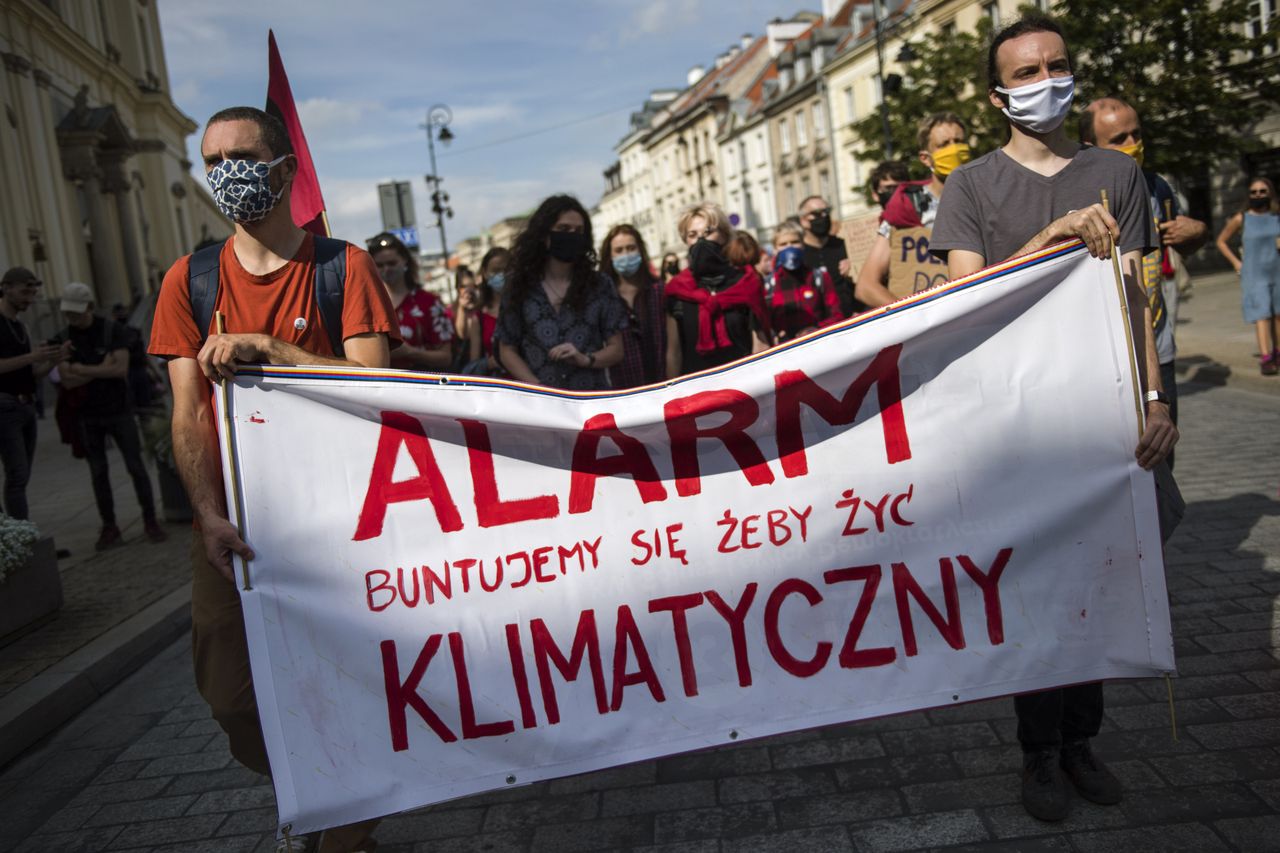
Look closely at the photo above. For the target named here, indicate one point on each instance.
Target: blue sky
(364, 75)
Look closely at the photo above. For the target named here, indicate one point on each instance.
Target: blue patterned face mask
(627, 265)
(242, 188)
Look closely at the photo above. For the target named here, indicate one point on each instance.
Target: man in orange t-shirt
(266, 291)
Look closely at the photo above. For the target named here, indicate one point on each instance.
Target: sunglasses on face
(1258, 193)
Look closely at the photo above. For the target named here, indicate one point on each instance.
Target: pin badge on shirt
(300, 323)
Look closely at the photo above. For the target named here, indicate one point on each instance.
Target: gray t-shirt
(994, 205)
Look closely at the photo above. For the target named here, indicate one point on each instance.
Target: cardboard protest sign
(463, 584)
(911, 266)
(859, 234)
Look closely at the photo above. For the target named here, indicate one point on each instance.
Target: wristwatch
(1158, 397)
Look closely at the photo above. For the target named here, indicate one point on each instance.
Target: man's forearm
(283, 352)
(193, 442)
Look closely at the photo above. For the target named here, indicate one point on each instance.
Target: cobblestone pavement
(100, 590)
(146, 769)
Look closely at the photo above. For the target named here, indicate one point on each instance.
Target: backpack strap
(202, 285)
(331, 277)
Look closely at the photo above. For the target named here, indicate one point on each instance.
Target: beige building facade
(93, 167)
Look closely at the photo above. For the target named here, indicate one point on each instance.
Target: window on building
(850, 105)
(819, 121)
(784, 136)
(948, 30)
(762, 150)
(1261, 22)
(802, 132)
(824, 184)
(877, 88)
(992, 11)
(789, 196)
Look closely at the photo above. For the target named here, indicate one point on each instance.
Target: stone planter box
(32, 595)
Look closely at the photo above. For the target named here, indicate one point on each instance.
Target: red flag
(307, 203)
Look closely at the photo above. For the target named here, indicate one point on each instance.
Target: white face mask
(1040, 107)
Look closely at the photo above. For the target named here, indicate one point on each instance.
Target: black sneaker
(1044, 790)
(1090, 776)
(109, 537)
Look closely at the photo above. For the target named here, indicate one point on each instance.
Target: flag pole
(1128, 326)
(229, 447)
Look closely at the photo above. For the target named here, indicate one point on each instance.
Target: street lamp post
(438, 116)
(878, 11)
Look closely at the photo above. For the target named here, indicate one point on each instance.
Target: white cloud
(662, 16)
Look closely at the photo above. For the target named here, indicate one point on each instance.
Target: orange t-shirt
(275, 304)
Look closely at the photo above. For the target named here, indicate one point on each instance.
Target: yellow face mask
(949, 157)
(1134, 151)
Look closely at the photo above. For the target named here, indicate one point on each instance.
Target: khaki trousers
(221, 655)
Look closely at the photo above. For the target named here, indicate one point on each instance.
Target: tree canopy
(1198, 83)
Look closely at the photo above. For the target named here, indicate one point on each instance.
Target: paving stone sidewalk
(101, 590)
(145, 769)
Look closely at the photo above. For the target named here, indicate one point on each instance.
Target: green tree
(1196, 81)
(947, 74)
(1182, 64)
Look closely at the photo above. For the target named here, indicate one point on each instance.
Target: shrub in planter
(30, 586)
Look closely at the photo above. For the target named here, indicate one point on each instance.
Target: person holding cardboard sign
(900, 262)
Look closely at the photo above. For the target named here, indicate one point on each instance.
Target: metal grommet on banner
(511, 780)
(733, 735)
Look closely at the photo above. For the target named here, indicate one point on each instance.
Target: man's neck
(811, 239)
(7, 309)
(936, 185)
(263, 247)
(1045, 154)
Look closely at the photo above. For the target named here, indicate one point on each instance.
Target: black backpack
(331, 277)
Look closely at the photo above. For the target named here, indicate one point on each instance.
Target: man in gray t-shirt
(995, 205)
(1042, 188)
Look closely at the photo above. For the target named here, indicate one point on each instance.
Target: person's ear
(997, 100)
(927, 159)
(287, 170)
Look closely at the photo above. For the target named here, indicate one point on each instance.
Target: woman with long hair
(1258, 266)
(797, 298)
(561, 322)
(718, 307)
(483, 320)
(649, 344)
(423, 324)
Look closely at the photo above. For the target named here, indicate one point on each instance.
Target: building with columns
(93, 168)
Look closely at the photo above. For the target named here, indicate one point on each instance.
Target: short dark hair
(1033, 23)
(929, 122)
(274, 135)
(808, 199)
(895, 169)
(1088, 133)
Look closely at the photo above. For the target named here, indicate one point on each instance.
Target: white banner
(463, 584)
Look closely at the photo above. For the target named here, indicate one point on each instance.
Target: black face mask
(1260, 202)
(707, 260)
(567, 246)
(883, 197)
(820, 225)
(673, 267)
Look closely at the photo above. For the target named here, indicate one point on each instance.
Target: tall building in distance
(94, 173)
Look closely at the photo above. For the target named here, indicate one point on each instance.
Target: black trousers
(1052, 717)
(124, 430)
(1170, 382)
(17, 450)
